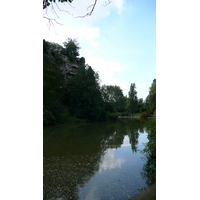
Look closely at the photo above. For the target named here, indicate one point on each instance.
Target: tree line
(81, 97)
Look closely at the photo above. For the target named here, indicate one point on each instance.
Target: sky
(118, 40)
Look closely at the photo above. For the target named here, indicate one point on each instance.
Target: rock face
(69, 67)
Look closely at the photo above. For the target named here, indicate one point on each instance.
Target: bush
(48, 118)
(103, 116)
(112, 116)
(146, 114)
(109, 107)
(123, 114)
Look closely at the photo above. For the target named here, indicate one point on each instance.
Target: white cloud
(119, 5)
(107, 70)
(78, 27)
(90, 35)
(110, 162)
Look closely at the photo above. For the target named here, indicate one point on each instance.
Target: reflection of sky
(119, 173)
(110, 162)
(142, 140)
(126, 141)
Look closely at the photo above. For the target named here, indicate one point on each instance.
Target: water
(94, 161)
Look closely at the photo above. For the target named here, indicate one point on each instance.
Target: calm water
(94, 161)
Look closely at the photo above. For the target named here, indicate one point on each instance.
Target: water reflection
(110, 162)
(149, 156)
(87, 155)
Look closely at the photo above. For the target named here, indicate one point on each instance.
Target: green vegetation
(83, 96)
(149, 169)
(132, 100)
(47, 3)
(113, 95)
(79, 97)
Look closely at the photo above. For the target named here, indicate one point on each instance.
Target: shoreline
(136, 117)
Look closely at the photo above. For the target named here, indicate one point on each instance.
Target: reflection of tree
(71, 157)
(72, 154)
(149, 168)
(132, 128)
(116, 139)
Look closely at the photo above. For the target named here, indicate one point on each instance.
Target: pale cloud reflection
(110, 162)
(126, 142)
(92, 193)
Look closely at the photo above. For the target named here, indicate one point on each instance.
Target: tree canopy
(114, 95)
(151, 98)
(132, 99)
(83, 95)
(71, 48)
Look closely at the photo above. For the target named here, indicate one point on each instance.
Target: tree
(53, 84)
(132, 99)
(114, 95)
(71, 48)
(83, 96)
(151, 98)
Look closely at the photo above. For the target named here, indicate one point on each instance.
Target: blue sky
(118, 41)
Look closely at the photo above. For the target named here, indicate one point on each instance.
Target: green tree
(149, 168)
(132, 99)
(53, 86)
(114, 95)
(83, 95)
(151, 98)
(71, 48)
(53, 79)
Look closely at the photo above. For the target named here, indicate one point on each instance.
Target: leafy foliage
(71, 48)
(83, 95)
(151, 98)
(146, 114)
(149, 169)
(53, 80)
(47, 3)
(113, 95)
(53, 84)
(132, 99)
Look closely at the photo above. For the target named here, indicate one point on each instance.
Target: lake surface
(94, 161)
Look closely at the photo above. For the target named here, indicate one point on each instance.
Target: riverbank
(147, 194)
(134, 117)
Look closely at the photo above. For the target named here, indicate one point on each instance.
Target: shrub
(48, 118)
(146, 114)
(103, 116)
(123, 114)
(112, 116)
(109, 107)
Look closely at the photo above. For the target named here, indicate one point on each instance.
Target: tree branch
(54, 11)
(49, 19)
(50, 23)
(106, 3)
(63, 10)
(89, 13)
